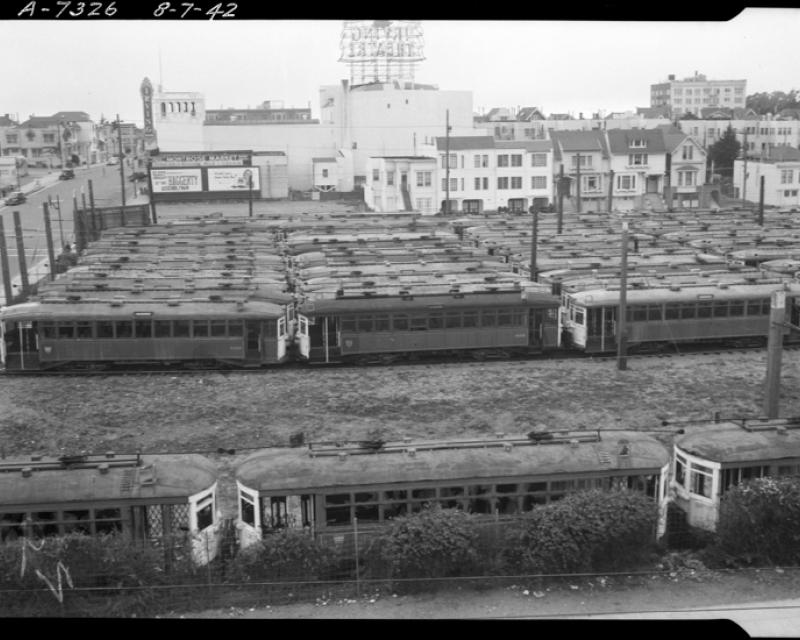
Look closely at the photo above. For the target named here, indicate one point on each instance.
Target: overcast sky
(558, 66)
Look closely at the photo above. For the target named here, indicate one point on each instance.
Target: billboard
(176, 180)
(232, 178)
(201, 158)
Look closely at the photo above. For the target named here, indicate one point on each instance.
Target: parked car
(66, 174)
(113, 161)
(16, 197)
(138, 175)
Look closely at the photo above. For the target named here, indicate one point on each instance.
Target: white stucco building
(780, 169)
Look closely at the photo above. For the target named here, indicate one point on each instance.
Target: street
(107, 192)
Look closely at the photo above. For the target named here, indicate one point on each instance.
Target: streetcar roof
(156, 477)
(295, 469)
(690, 293)
(742, 440)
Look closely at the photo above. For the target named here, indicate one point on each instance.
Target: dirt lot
(204, 411)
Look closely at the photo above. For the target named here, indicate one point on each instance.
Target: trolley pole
(4, 264)
(761, 203)
(534, 242)
(777, 316)
(561, 199)
(23, 267)
(744, 179)
(610, 190)
(578, 185)
(150, 190)
(622, 356)
(98, 219)
(48, 230)
(250, 196)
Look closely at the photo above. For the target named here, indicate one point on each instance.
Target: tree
(773, 102)
(724, 151)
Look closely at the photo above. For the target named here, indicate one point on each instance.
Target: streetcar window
(365, 323)
(337, 498)
(672, 311)
(45, 523)
(161, 328)
(144, 328)
(787, 470)
(579, 316)
(452, 320)
(720, 309)
(66, 330)
(270, 329)
(423, 494)
(76, 520)
(337, 515)
(562, 485)
(688, 310)
(11, 526)
(205, 515)
(754, 307)
(680, 470)
(419, 323)
(435, 321)
(451, 492)
(506, 488)
(393, 510)
(348, 323)
(397, 494)
(504, 318)
(367, 496)
(480, 505)
(518, 317)
(654, 312)
(218, 328)
(639, 313)
(530, 501)
(382, 322)
(400, 322)
(703, 309)
(532, 487)
(488, 318)
(765, 306)
(368, 512)
(107, 520)
(49, 330)
(84, 330)
(736, 308)
(235, 328)
(701, 480)
(248, 511)
(124, 329)
(200, 328)
(507, 505)
(180, 329)
(105, 329)
(470, 319)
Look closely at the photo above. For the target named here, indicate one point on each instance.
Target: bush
(585, 531)
(433, 543)
(285, 554)
(759, 520)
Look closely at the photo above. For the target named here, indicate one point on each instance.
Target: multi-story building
(692, 94)
(483, 174)
(756, 134)
(49, 141)
(638, 160)
(780, 169)
(585, 153)
(686, 170)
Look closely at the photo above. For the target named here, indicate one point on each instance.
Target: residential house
(686, 170)
(780, 169)
(585, 158)
(638, 162)
(401, 183)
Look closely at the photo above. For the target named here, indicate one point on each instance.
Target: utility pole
(534, 242)
(250, 195)
(622, 347)
(23, 267)
(561, 187)
(744, 180)
(150, 189)
(4, 265)
(121, 163)
(578, 185)
(761, 202)
(610, 190)
(447, 162)
(48, 230)
(777, 318)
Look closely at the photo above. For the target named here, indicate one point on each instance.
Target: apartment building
(693, 93)
(780, 169)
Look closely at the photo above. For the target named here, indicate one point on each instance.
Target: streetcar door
(304, 342)
(20, 345)
(282, 337)
(249, 517)
(253, 338)
(534, 328)
(203, 524)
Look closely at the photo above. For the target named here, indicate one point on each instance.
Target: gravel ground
(204, 411)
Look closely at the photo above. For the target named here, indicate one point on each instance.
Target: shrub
(287, 553)
(586, 531)
(759, 520)
(432, 543)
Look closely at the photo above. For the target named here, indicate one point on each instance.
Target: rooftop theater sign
(381, 50)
